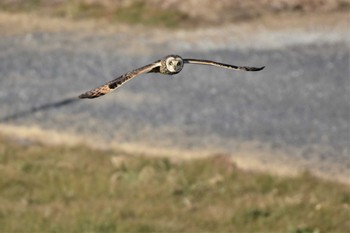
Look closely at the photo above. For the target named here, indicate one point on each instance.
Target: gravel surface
(300, 100)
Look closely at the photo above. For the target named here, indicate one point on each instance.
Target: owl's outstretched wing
(222, 65)
(115, 83)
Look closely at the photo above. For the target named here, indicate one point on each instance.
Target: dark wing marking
(115, 83)
(218, 64)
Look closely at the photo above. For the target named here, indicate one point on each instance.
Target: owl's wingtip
(91, 95)
(259, 68)
(254, 68)
(82, 96)
(86, 96)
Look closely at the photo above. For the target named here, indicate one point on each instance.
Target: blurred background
(291, 117)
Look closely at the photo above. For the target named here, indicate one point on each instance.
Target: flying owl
(170, 65)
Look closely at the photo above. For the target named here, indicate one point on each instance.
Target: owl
(169, 65)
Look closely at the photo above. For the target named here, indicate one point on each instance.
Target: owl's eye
(170, 63)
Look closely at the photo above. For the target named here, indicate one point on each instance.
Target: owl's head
(174, 63)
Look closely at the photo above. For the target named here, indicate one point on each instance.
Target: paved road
(301, 99)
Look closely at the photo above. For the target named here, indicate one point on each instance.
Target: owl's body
(169, 65)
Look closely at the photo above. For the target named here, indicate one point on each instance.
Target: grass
(135, 13)
(141, 12)
(76, 189)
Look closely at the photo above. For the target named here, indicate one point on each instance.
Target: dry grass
(136, 13)
(60, 189)
(172, 14)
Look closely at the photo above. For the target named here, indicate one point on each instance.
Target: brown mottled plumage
(115, 83)
(169, 65)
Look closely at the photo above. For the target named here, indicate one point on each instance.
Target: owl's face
(174, 64)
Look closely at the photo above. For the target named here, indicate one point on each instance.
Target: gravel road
(301, 99)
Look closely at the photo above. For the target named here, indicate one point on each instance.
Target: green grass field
(60, 189)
